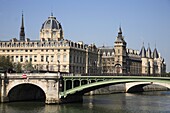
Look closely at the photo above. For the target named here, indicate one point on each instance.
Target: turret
(120, 53)
(150, 61)
(145, 63)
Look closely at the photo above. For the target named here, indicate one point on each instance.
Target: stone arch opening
(137, 88)
(26, 92)
(147, 87)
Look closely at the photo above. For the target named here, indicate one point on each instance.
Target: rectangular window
(12, 58)
(26, 58)
(42, 58)
(17, 59)
(58, 57)
(47, 58)
(52, 58)
(35, 58)
(21, 58)
(118, 58)
(64, 58)
(118, 50)
(30, 58)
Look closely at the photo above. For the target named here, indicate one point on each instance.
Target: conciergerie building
(52, 52)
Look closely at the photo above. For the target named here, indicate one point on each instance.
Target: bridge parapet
(30, 75)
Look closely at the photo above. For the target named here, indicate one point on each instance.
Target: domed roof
(51, 23)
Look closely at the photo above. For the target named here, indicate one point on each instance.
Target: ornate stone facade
(119, 59)
(52, 52)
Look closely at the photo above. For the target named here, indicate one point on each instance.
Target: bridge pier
(52, 94)
(4, 98)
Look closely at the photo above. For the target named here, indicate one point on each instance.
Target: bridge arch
(26, 92)
(138, 86)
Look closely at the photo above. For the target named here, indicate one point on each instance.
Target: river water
(146, 102)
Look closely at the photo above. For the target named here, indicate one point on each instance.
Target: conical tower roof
(155, 53)
(149, 52)
(143, 52)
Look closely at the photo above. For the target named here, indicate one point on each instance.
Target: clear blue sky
(93, 21)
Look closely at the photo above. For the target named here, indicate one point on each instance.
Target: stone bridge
(17, 87)
(53, 88)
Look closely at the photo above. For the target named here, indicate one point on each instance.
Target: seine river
(146, 102)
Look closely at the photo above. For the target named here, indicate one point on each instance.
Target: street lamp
(47, 66)
(58, 65)
(37, 68)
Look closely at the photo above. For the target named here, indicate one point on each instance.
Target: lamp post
(58, 68)
(47, 66)
(37, 69)
(95, 66)
(58, 65)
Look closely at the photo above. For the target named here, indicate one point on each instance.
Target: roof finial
(22, 24)
(120, 30)
(51, 13)
(143, 44)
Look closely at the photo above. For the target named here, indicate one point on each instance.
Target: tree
(5, 63)
(17, 67)
(28, 66)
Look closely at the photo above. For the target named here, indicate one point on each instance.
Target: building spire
(120, 30)
(22, 32)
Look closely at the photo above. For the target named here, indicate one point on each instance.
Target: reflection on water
(146, 102)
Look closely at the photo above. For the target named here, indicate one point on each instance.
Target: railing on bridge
(91, 74)
(120, 74)
(115, 74)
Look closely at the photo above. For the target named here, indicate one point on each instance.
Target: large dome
(51, 29)
(51, 23)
